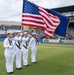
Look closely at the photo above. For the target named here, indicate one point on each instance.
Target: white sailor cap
(9, 31)
(34, 33)
(25, 33)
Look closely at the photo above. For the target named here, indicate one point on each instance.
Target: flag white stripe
(48, 14)
(38, 20)
(50, 29)
(48, 24)
(31, 23)
(32, 15)
(49, 19)
(54, 19)
(46, 32)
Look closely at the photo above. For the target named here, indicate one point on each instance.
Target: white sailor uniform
(25, 50)
(17, 41)
(33, 46)
(9, 54)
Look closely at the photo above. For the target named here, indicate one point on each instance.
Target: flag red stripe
(44, 16)
(49, 33)
(49, 14)
(49, 23)
(32, 16)
(48, 36)
(31, 25)
(55, 20)
(34, 21)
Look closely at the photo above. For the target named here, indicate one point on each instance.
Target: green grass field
(52, 59)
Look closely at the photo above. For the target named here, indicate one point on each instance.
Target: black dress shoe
(26, 65)
(18, 68)
(10, 72)
(34, 62)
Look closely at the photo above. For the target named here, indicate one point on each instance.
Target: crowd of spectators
(70, 35)
(40, 34)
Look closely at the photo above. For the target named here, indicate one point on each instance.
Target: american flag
(35, 16)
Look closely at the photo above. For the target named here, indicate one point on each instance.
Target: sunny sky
(11, 10)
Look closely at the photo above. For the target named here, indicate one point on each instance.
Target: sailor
(9, 52)
(33, 47)
(25, 41)
(17, 41)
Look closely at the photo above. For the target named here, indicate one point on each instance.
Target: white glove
(10, 46)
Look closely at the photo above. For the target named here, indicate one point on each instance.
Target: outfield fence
(57, 41)
(50, 41)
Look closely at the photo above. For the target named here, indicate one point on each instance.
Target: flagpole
(21, 27)
(22, 12)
